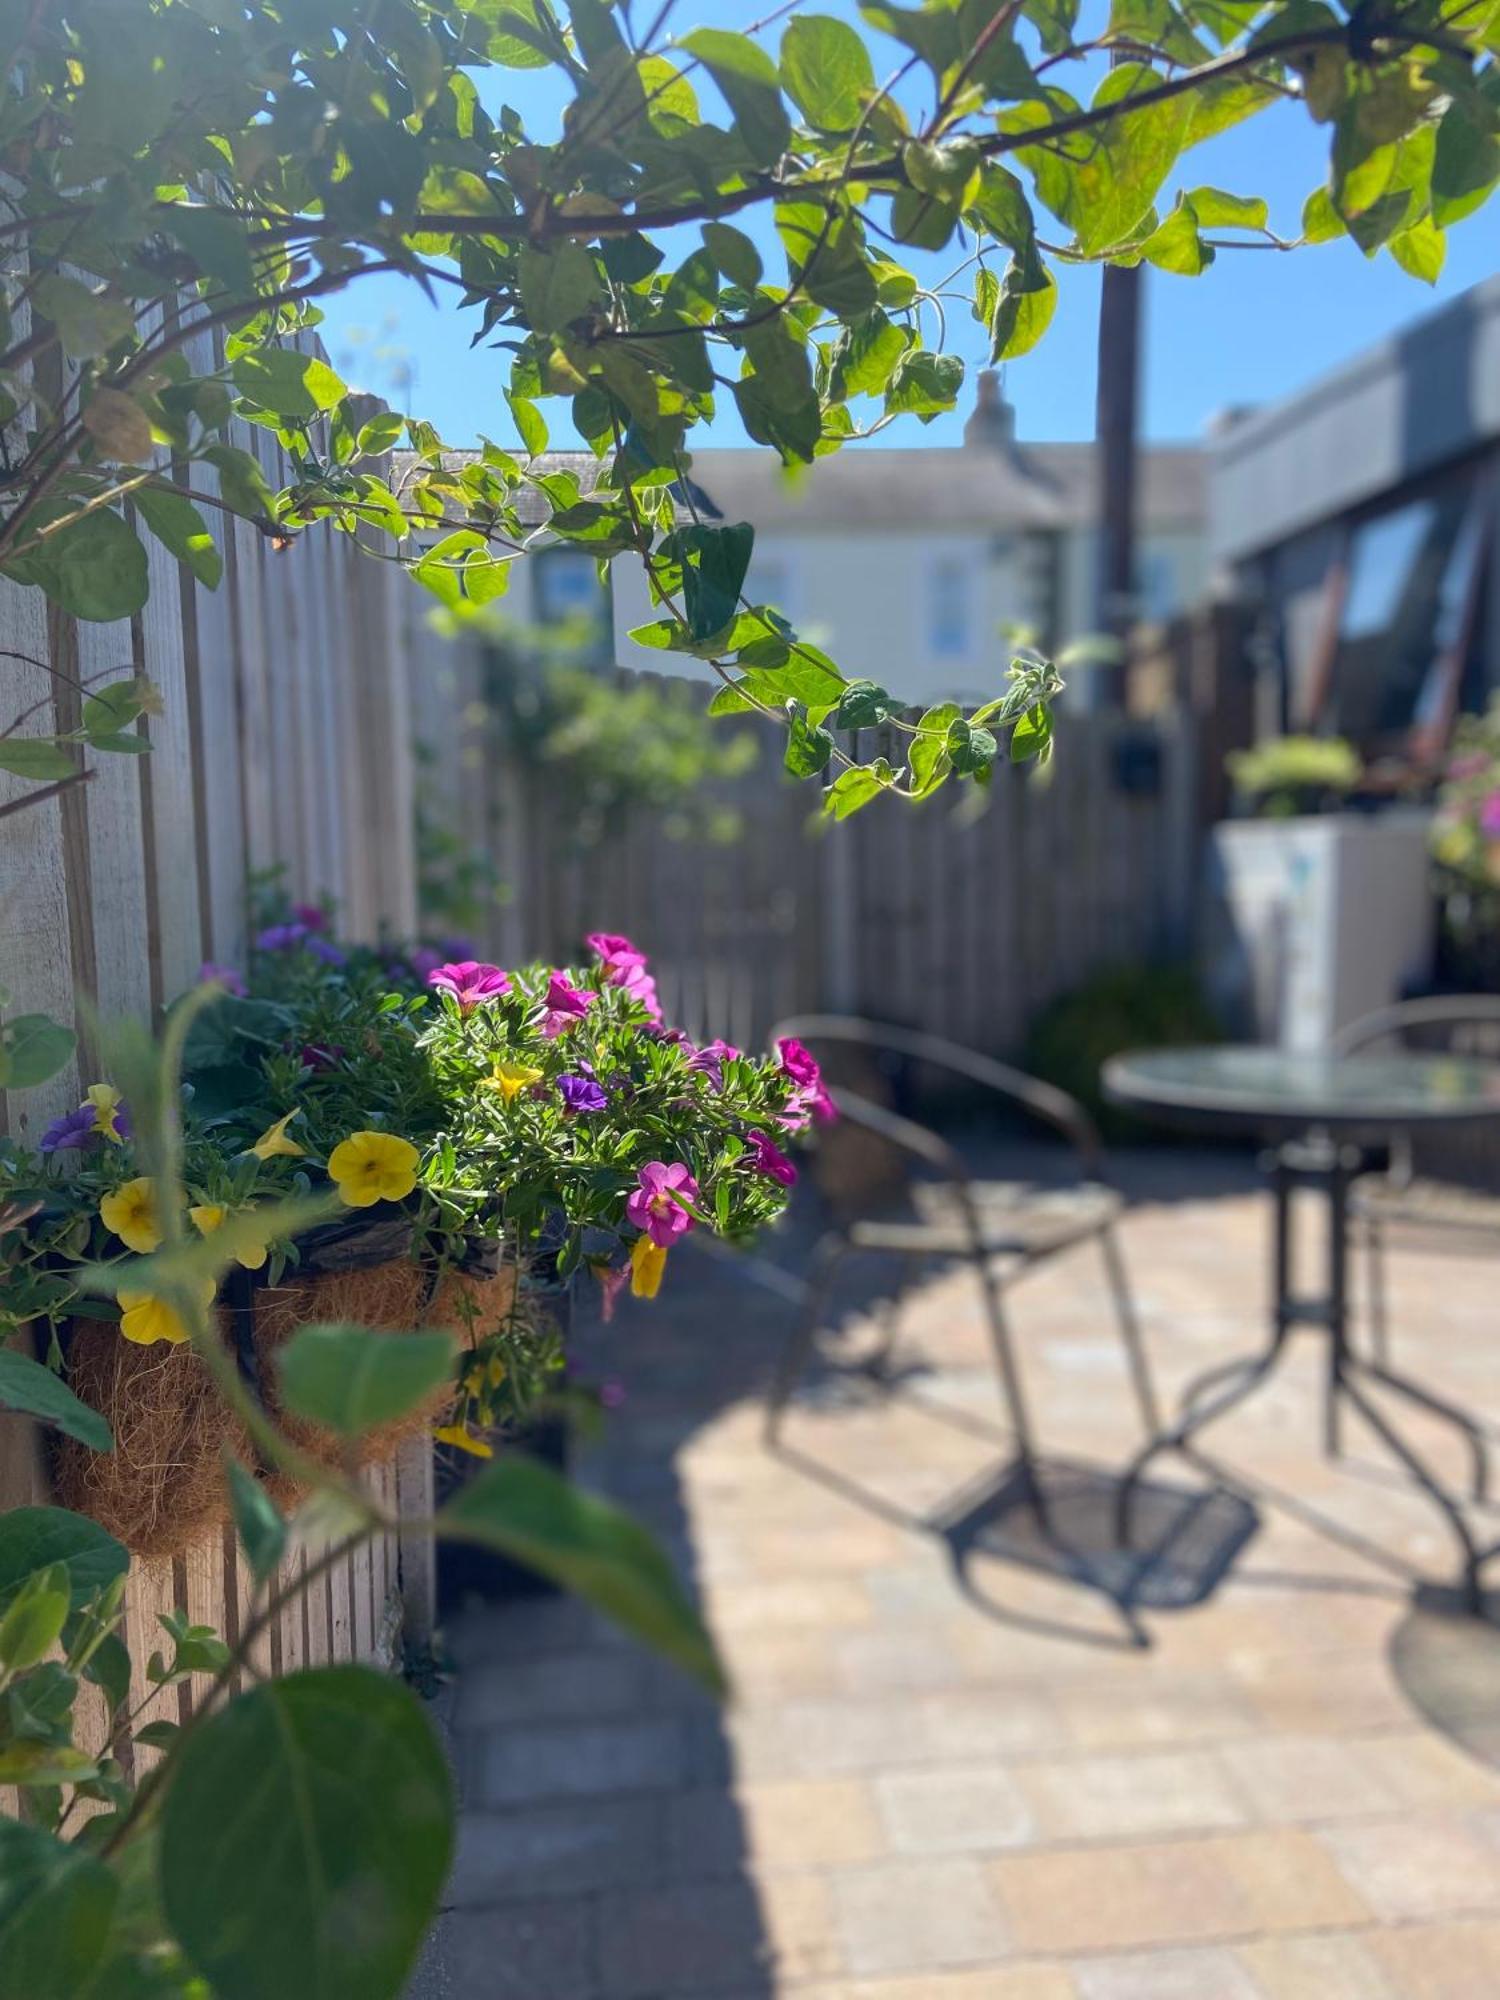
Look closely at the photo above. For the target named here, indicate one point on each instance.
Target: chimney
(992, 422)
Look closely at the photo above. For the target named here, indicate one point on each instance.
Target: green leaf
(242, 484)
(114, 707)
(257, 1521)
(32, 1624)
(854, 788)
(178, 525)
(827, 71)
(108, 1668)
(27, 1386)
(1420, 250)
(33, 1538)
(461, 568)
(56, 1904)
(747, 77)
(928, 756)
(1175, 245)
(305, 1838)
(1024, 312)
(808, 747)
(381, 434)
(662, 635)
(864, 705)
(1466, 161)
(557, 286)
(1032, 734)
(351, 1378)
(530, 423)
(37, 1047)
(95, 566)
(866, 356)
(87, 322)
(528, 1512)
(734, 254)
(1217, 210)
(714, 565)
(158, 1735)
(1321, 221)
(40, 757)
(285, 383)
(925, 384)
(1102, 183)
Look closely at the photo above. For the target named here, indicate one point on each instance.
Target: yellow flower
(106, 1102)
(144, 1318)
(130, 1213)
(464, 1438)
(648, 1260)
(510, 1079)
(373, 1166)
(273, 1141)
(209, 1216)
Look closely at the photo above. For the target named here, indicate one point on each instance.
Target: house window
(567, 587)
(770, 584)
(950, 618)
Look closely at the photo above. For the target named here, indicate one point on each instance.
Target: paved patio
(950, 1773)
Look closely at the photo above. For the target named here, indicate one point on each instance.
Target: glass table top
(1267, 1087)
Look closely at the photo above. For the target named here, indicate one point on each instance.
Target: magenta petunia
(311, 916)
(470, 982)
(623, 965)
(611, 948)
(651, 1205)
(564, 1004)
(767, 1158)
(800, 1064)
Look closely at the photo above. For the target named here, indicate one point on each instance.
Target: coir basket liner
(162, 1488)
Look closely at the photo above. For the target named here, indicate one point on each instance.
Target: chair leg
(890, 1316)
(792, 1363)
(1380, 1330)
(1130, 1329)
(1006, 1366)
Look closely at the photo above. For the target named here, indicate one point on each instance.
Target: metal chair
(1402, 1194)
(954, 1215)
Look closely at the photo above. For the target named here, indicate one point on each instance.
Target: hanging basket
(362, 1275)
(162, 1487)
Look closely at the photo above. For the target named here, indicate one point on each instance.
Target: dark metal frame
(1329, 1168)
(1392, 1023)
(1045, 1102)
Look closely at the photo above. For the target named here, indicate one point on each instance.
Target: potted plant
(1465, 847)
(482, 1135)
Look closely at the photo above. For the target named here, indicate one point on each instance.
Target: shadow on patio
(974, 1757)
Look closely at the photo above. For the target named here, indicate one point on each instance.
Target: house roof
(986, 485)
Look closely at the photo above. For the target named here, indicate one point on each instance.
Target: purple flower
(470, 981)
(767, 1158)
(799, 1063)
(424, 961)
(611, 1393)
(320, 1055)
(456, 947)
(222, 975)
(320, 947)
(311, 916)
(75, 1132)
(1489, 816)
(581, 1093)
(564, 1005)
(711, 1058)
(652, 1207)
(281, 937)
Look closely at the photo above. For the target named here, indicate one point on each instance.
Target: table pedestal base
(1328, 1169)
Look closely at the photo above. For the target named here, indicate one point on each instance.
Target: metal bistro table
(1318, 1113)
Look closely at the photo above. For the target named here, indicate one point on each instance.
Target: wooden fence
(283, 739)
(965, 916)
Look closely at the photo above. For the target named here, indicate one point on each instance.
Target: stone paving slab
(951, 1770)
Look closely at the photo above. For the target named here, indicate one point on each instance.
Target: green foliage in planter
(1145, 1006)
(1288, 775)
(258, 158)
(1465, 843)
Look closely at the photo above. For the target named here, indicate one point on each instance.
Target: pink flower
(652, 1206)
(470, 981)
(1473, 764)
(624, 966)
(1489, 816)
(767, 1158)
(806, 1104)
(799, 1063)
(564, 1005)
(311, 916)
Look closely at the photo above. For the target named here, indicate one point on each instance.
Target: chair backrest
(1043, 1100)
(1458, 1024)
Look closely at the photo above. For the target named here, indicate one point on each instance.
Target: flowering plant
(1465, 847)
(545, 1109)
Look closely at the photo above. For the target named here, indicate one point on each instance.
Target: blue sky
(1257, 326)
